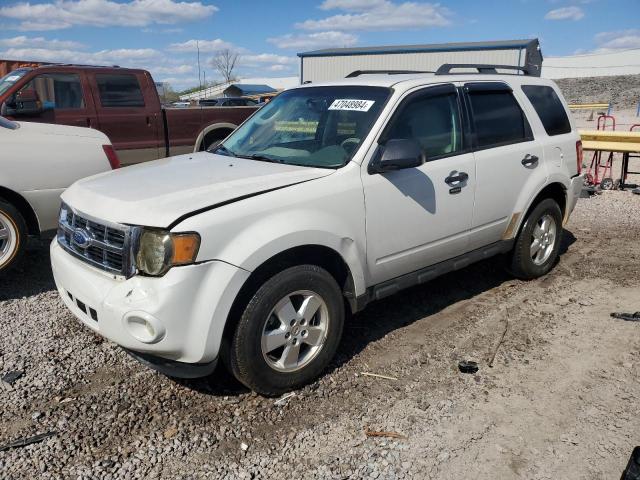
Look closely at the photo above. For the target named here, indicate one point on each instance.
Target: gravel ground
(559, 402)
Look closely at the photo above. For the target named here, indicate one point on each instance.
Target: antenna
(199, 75)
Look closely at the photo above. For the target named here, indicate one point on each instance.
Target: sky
(161, 35)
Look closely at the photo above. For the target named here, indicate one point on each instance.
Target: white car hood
(30, 128)
(157, 193)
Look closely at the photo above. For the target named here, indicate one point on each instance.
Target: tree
(225, 62)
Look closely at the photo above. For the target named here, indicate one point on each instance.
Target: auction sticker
(350, 104)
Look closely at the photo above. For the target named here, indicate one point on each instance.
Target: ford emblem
(81, 238)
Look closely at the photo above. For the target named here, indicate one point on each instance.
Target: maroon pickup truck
(121, 102)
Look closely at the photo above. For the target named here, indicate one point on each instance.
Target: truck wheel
(537, 245)
(13, 236)
(289, 331)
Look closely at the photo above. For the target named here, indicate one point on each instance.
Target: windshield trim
(21, 72)
(389, 94)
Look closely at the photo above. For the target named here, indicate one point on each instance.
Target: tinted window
(549, 108)
(119, 91)
(55, 90)
(434, 121)
(498, 118)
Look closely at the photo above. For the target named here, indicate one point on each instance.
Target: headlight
(159, 250)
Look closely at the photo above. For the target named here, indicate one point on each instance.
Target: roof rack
(446, 68)
(357, 73)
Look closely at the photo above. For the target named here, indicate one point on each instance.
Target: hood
(157, 193)
(61, 130)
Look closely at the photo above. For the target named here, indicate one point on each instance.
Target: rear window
(498, 118)
(119, 90)
(549, 108)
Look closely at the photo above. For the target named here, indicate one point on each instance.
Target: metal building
(336, 63)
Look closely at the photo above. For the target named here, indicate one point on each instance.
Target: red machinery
(600, 173)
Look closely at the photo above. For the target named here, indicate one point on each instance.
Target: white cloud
(60, 14)
(23, 41)
(204, 45)
(620, 40)
(124, 56)
(565, 13)
(308, 41)
(352, 5)
(250, 60)
(379, 15)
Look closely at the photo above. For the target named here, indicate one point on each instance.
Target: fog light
(144, 327)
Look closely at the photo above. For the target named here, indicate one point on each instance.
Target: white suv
(329, 197)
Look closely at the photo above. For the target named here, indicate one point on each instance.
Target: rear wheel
(289, 331)
(13, 236)
(537, 245)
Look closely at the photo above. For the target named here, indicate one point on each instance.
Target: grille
(105, 246)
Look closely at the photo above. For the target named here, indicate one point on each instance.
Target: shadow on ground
(32, 276)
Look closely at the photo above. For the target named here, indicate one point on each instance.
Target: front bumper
(573, 194)
(179, 317)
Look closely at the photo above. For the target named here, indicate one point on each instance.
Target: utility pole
(199, 75)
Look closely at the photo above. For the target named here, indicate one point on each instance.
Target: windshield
(10, 78)
(313, 126)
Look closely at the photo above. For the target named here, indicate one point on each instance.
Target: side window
(498, 118)
(549, 108)
(119, 90)
(434, 121)
(55, 91)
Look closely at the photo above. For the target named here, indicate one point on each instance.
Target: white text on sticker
(355, 105)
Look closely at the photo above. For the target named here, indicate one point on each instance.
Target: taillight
(112, 156)
(579, 155)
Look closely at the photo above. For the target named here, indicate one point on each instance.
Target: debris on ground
(372, 433)
(284, 398)
(468, 366)
(23, 442)
(377, 375)
(629, 317)
(504, 333)
(11, 377)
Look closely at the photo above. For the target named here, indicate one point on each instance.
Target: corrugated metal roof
(248, 88)
(435, 47)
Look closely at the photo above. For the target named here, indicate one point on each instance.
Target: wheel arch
(220, 128)
(310, 254)
(25, 209)
(554, 190)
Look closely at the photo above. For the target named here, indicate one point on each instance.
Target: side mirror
(397, 154)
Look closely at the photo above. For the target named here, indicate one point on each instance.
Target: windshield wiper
(261, 158)
(223, 150)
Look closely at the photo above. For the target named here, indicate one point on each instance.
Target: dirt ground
(561, 400)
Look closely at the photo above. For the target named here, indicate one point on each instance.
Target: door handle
(456, 177)
(530, 160)
(89, 122)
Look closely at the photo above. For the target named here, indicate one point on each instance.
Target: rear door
(509, 163)
(420, 216)
(128, 114)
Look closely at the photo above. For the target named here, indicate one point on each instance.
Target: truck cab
(123, 103)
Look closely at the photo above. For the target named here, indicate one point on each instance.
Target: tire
(13, 236)
(262, 352)
(527, 265)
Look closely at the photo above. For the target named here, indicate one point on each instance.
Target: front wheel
(289, 331)
(537, 246)
(13, 236)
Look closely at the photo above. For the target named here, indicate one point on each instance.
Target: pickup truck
(123, 103)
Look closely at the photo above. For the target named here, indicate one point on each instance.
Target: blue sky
(160, 35)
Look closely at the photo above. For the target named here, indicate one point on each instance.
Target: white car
(329, 197)
(37, 163)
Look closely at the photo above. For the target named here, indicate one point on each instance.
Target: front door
(420, 216)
